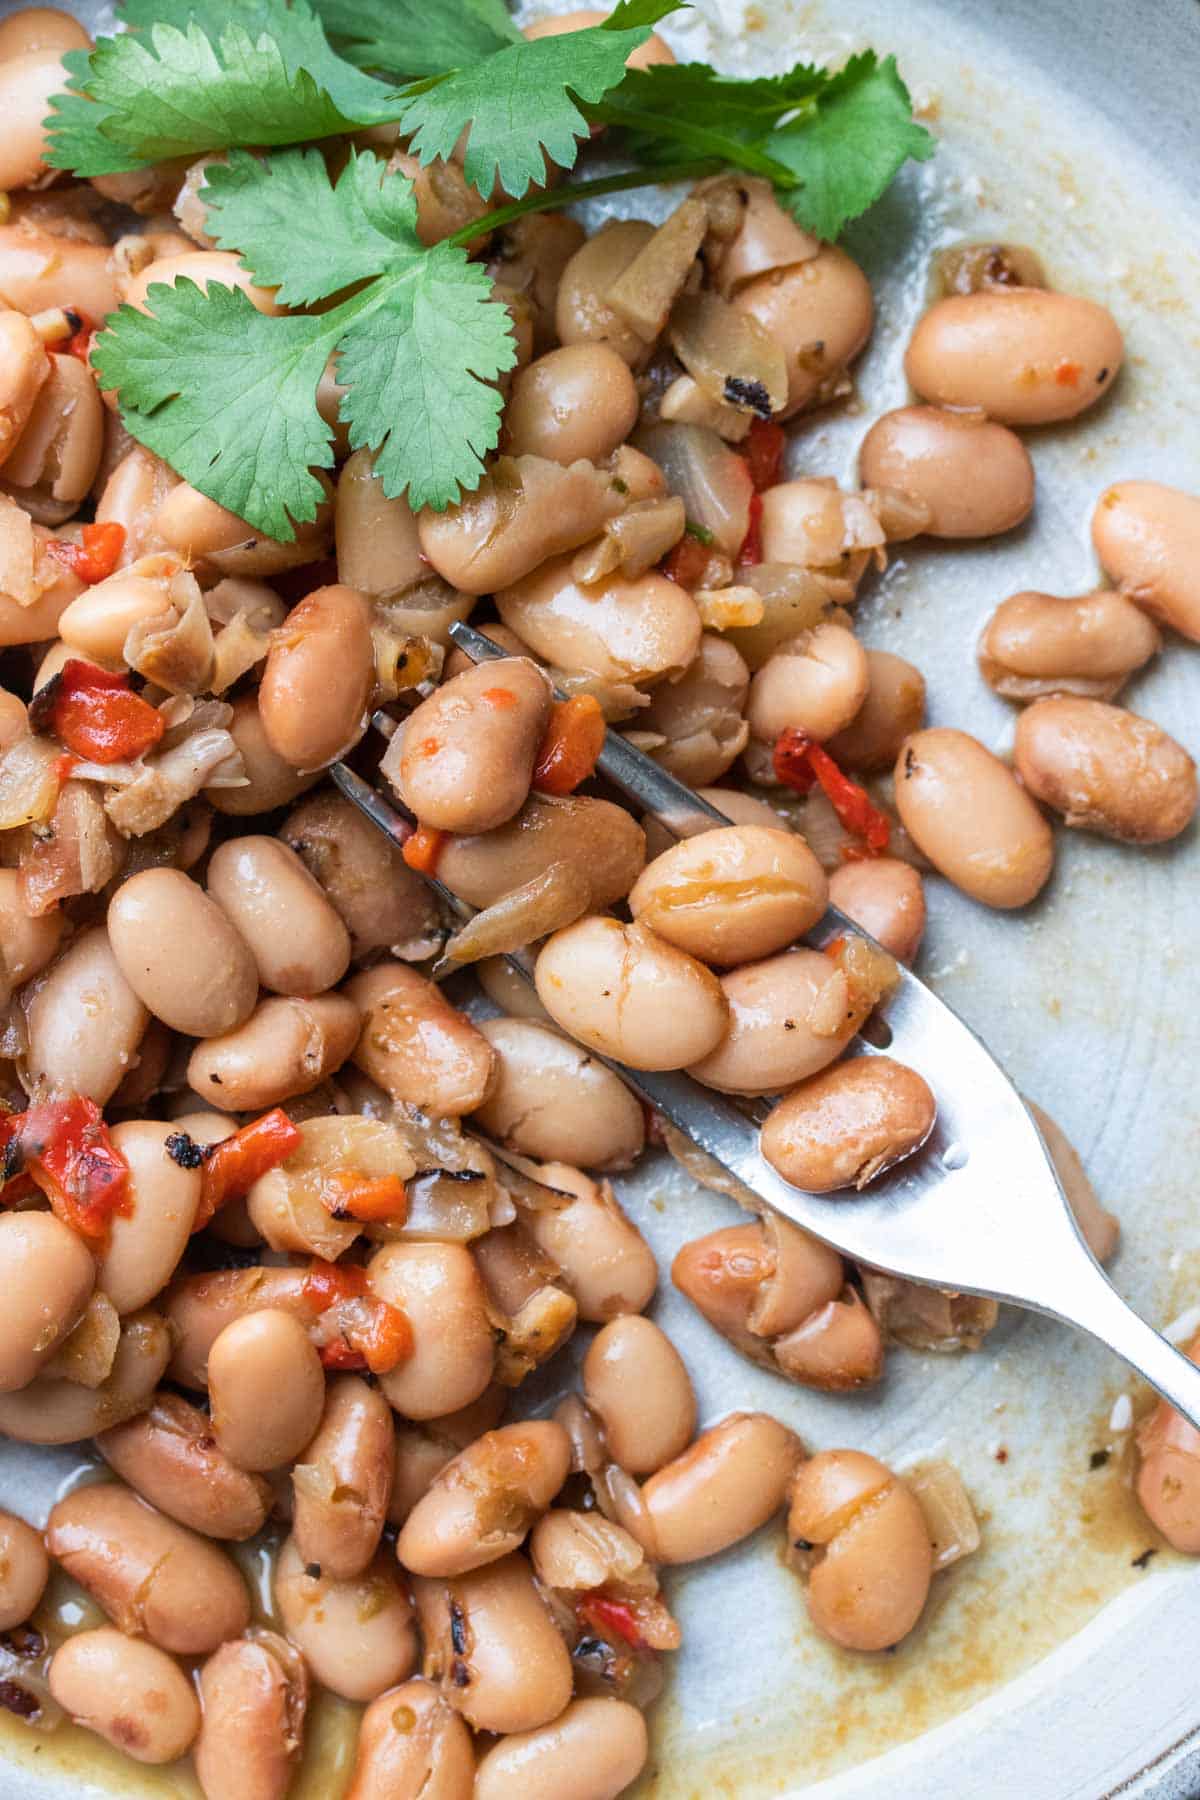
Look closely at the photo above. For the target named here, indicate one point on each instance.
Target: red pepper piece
(63, 1147)
(97, 556)
(573, 741)
(233, 1166)
(751, 551)
(606, 1616)
(799, 761)
(423, 849)
(96, 714)
(370, 1333)
(687, 562)
(763, 451)
(373, 1199)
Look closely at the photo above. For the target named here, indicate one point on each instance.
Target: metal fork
(979, 1210)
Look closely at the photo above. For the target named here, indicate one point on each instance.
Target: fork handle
(1093, 1303)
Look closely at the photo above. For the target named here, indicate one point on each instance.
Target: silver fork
(979, 1210)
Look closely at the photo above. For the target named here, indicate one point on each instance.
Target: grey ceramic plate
(1049, 1667)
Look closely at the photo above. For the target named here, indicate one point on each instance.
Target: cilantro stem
(554, 198)
(692, 137)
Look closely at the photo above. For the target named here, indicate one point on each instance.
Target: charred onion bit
(63, 1148)
(96, 714)
(800, 761)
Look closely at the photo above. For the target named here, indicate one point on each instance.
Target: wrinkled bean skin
(847, 1125)
(356, 1636)
(286, 1047)
(1091, 644)
(1025, 356)
(465, 757)
(1106, 770)
(576, 401)
(413, 1746)
(635, 1381)
(440, 1290)
(731, 1481)
(271, 779)
(146, 1243)
(481, 1505)
(622, 991)
(521, 513)
(253, 1694)
(593, 1752)
(974, 476)
(294, 935)
(266, 1389)
(605, 1261)
(732, 895)
(1168, 1477)
(85, 1021)
(869, 1579)
(618, 629)
(416, 1046)
(383, 904)
(54, 1411)
(170, 1456)
(821, 312)
(1147, 537)
(509, 1669)
(551, 1100)
(700, 714)
(343, 1480)
(24, 1570)
(594, 835)
(887, 898)
(47, 1276)
(817, 683)
(968, 814)
(894, 706)
(769, 1043)
(316, 687)
(152, 1576)
(181, 954)
(128, 1692)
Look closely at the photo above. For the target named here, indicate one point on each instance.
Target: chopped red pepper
(423, 849)
(799, 761)
(63, 1147)
(233, 1166)
(97, 556)
(372, 1198)
(369, 1334)
(79, 344)
(606, 1616)
(1067, 374)
(687, 562)
(96, 714)
(751, 551)
(573, 741)
(763, 451)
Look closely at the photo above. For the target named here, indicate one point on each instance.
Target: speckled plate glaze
(1056, 1664)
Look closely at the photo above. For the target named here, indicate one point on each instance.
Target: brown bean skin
(266, 1389)
(869, 1580)
(356, 1636)
(28, 80)
(153, 1577)
(378, 551)
(769, 1043)
(48, 1276)
(731, 1481)
(84, 1021)
(440, 1290)
(619, 629)
(146, 1243)
(383, 904)
(24, 1570)
(170, 1456)
(495, 537)
(1168, 1477)
(1147, 537)
(287, 1047)
(343, 1480)
(551, 1100)
(294, 935)
(416, 1046)
(271, 780)
(732, 895)
(412, 1744)
(1037, 644)
(821, 312)
(502, 1662)
(181, 954)
(253, 1693)
(974, 476)
(1107, 770)
(480, 1506)
(968, 814)
(128, 1692)
(320, 673)
(199, 1307)
(817, 683)
(605, 1261)
(847, 1125)
(894, 707)
(579, 400)
(887, 898)
(38, 271)
(635, 1381)
(629, 994)
(594, 1751)
(463, 761)
(40, 28)
(1026, 356)
(595, 835)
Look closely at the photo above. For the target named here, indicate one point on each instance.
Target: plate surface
(1048, 1666)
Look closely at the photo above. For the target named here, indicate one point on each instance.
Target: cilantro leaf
(410, 37)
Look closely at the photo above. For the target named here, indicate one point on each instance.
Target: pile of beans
(284, 1229)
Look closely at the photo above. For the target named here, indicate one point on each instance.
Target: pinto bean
(207, 533)
(439, 1289)
(343, 1480)
(24, 372)
(40, 28)
(887, 898)
(732, 895)
(864, 1530)
(464, 759)
(356, 1636)
(769, 1042)
(28, 81)
(169, 1455)
(383, 904)
(973, 477)
(582, 314)
(731, 1481)
(654, 50)
(58, 452)
(551, 1100)
(492, 1646)
(266, 1389)
(84, 1021)
(411, 1743)
(1107, 770)
(152, 1576)
(286, 1048)
(53, 1410)
(970, 816)
(126, 1691)
(594, 1751)
(480, 1506)
(894, 707)
(1024, 356)
(576, 401)
(635, 1381)
(524, 510)
(199, 1307)
(146, 1243)
(618, 629)
(817, 683)
(847, 1125)
(202, 267)
(1091, 644)
(416, 1046)
(48, 1276)
(378, 550)
(1168, 1476)
(295, 936)
(271, 780)
(700, 714)
(254, 1694)
(27, 944)
(39, 271)
(821, 312)
(24, 1570)
(1147, 537)
(317, 684)
(606, 1263)
(181, 954)
(593, 835)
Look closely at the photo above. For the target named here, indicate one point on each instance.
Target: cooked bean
(317, 684)
(343, 1480)
(525, 509)
(40, 28)
(14, 720)
(1107, 770)
(33, 624)
(439, 1289)
(271, 780)
(202, 267)
(285, 1048)
(593, 835)
(170, 1456)
(821, 312)
(866, 1534)
(463, 761)
(1025, 356)
(731, 1481)
(421, 1454)
(153, 1577)
(24, 371)
(199, 1307)
(576, 401)
(1100, 1229)
(970, 816)
(621, 990)
(54, 1410)
(732, 895)
(1168, 1477)
(817, 683)
(126, 1691)
(356, 1636)
(378, 550)
(551, 1100)
(847, 1125)
(493, 1647)
(416, 1046)
(480, 1506)
(180, 953)
(28, 80)
(84, 1021)
(582, 314)
(594, 1751)
(99, 621)
(635, 1381)
(47, 1275)
(894, 706)
(266, 1389)
(39, 271)
(766, 238)
(606, 1263)
(295, 936)
(617, 629)
(700, 714)
(413, 1746)
(1147, 537)
(887, 898)
(207, 533)
(146, 1242)
(254, 1694)
(1091, 644)
(58, 453)
(131, 497)
(973, 477)
(383, 903)
(24, 1570)
(769, 1043)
